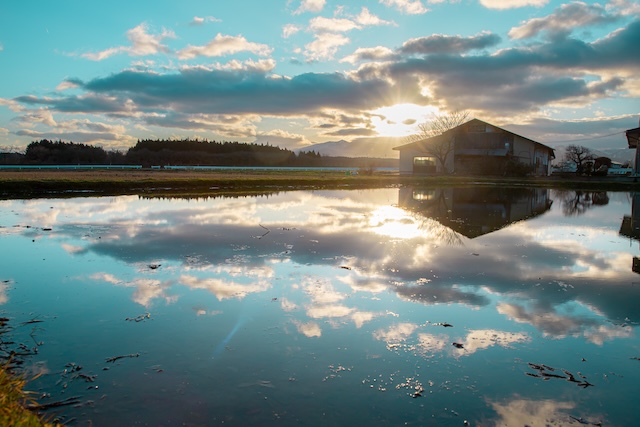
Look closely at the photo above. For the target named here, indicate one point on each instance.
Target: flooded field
(412, 306)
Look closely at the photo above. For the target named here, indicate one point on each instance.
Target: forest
(185, 152)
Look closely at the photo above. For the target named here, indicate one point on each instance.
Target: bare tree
(437, 142)
(579, 155)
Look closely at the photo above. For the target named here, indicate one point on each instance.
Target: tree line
(585, 161)
(185, 152)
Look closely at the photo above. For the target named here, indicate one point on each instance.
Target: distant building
(477, 148)
(633, 136)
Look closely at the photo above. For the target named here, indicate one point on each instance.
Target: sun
(401, 119)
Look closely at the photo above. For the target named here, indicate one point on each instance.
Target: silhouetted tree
(580, 156)
(438, 141)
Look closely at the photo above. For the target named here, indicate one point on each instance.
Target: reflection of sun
(400, 119)
(393, 222)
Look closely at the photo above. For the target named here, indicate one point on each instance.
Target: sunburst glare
(394, 222)
(401, 119)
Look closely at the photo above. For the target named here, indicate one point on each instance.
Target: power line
(587, 139)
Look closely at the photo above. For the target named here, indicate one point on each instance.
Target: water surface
(412, 306)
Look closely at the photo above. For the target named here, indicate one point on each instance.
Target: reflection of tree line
(576, 202)
(209, 196)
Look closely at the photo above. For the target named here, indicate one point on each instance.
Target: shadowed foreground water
(380, 307)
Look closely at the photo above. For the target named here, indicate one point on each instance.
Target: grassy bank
(13, 403)
(37, 183)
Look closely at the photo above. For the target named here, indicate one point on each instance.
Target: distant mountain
(380, 147)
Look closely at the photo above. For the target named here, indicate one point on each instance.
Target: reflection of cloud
(146, 290)
(534, 413)
(72, 249)
(321, 291)
(429, 343)
(309, 329)
(480, 339)
(429, 294)
(3, 293)
(106, 277)
(559, 326)
(364, 284)
(395, 334)
(607, 333)
(401, 334)
(224, 289)
(328, 311)
(287, 305)
(362, 317)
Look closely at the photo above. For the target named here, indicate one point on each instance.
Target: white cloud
(142, 44)
(336, 25)
(224, 45)
(66, 85)
(624, 7)
(310, 6)
(282, 139)
(262, 65)
(367, 18)
(289, 30)
(512, 4)
(410, 7)
(197, 20)
(325, 46)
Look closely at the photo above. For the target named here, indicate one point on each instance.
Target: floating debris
(74, 400)
(547, 372)
(413, 385)
(585, 422)
(28, 322)
(139, 318)
(444, 324)
(113, 359)
(259, 383)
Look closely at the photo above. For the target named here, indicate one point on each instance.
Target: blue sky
(298, 72)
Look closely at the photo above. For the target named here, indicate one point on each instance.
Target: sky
(293, 73)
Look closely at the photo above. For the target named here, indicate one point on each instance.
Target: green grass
(14, 401)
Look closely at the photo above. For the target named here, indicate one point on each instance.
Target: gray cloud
(564, 20)
(440, 43)
(199, 91)
(91, 103)
(513, 80)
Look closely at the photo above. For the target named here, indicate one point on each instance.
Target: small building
(633, 137)
(477, 148)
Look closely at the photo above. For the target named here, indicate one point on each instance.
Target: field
(26, 183)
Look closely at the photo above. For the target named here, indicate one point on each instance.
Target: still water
(448, 307)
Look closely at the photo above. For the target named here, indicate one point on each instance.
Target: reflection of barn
(476, 147)
(630, 227)
(474, 211)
